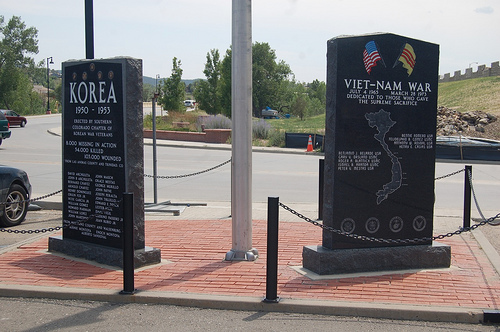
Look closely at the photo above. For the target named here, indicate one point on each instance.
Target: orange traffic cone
(309, 144)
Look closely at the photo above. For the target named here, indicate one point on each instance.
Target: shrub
(260, 129)
(277, 138)
(213, 122)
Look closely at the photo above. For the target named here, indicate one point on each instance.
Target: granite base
(323, 261)
(101, 254)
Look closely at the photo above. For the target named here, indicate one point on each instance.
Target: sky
(156, 31)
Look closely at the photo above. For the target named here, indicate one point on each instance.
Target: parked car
(189, 103)
(268, 113)
(4, 128)
(14, 118)
(15, 190)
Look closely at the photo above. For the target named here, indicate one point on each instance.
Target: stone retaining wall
(208, 136)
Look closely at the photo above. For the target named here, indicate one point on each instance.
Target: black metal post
(48, 83)
(128, 244)
(321, 188)
(89, 29)
(155, 160)
(467, 195)
(272, 251)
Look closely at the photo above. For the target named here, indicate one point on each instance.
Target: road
(292, 177)
(57, 315)
(31, 148)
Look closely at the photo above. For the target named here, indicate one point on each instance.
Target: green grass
(479, 94)
(313, 125)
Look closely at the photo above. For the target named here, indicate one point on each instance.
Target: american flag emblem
(371, 56)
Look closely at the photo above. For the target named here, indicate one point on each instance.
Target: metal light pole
(48, 82)
(241, 114)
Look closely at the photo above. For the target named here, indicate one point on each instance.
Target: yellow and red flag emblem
(408, 58)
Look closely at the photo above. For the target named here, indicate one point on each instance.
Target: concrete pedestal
(323, 261)
(102, 254)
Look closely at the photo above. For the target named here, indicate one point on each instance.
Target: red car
(14, 118)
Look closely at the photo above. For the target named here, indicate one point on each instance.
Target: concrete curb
(212, 146)
(336, 308)
(488, 249)
(50, 205)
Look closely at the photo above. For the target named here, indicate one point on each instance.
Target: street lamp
(48, 96)
(156, 83)
(157, 93)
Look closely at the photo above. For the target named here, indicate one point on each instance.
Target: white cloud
(484, 10)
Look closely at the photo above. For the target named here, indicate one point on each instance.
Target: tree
(172, 89)
(225, 84)
(317, 89)
(302, 100)
(16, 43)
(207, 92)
(147, 92)
(38, 73)
(299, 107)
(270, 79)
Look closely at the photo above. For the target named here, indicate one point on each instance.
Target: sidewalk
(193, 273)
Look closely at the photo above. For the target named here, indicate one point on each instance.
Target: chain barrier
(388, 241)
(490, 221)
(188, 175)
(31, 199)
(469, 177)
(476, 202)
(448, 175)
(53, 229)
(145, 175)
(299, 215)
(45, 230)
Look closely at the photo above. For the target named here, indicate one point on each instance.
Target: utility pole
(241, 114)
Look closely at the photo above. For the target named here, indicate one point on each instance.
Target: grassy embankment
(481, 94)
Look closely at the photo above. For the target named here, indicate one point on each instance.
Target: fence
(482, 71)
(273, 217)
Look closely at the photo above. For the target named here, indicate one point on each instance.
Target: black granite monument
(102, 159)
(379, 153)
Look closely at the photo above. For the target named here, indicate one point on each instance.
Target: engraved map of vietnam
(382, 121)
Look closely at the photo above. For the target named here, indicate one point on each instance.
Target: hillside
(152, 81)
(480, 94)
